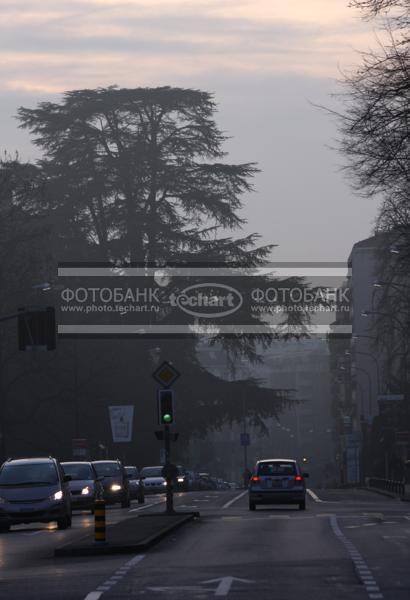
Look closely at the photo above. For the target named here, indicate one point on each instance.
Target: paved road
(348, 544)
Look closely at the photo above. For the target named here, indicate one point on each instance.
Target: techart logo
(208, 300)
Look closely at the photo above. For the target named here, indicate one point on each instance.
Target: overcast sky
(266, 61)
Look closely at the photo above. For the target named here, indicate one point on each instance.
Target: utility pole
(168, 471)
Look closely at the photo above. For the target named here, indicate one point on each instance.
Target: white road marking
(181, 588)
(363, 571)
(313, 495)
(115, 578)
(146, 506)
(241, 495)
(94, 595)
(225, 584)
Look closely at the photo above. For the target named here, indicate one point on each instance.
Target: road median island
(135, 534)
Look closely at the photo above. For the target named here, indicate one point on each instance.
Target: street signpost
(121, 418)
(162, 457)
(80, 448)
(166, 375)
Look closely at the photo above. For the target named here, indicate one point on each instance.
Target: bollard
(99, 521)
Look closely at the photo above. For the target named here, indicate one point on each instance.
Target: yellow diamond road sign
(166, 374)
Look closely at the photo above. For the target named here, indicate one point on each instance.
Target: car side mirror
(305, 475)
(67, 478)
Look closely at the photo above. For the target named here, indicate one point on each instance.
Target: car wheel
(252, 506)
(302, 505)
(64, 523)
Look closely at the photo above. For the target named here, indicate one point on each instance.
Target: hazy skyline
(266, 61)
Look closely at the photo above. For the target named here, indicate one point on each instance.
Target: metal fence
(388, 485)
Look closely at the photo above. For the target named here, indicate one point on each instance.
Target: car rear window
(276, 468)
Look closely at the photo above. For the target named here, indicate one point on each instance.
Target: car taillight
(255, 478)
(298, 478)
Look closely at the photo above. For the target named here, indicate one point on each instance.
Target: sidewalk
(135, 534)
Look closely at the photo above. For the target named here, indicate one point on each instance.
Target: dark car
(277, 481)
(182, 480)
(136, 484)
(206, 482)
(84, 486)
(114, 481)
(34, 490)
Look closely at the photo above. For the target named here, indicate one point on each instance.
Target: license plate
(273, 483)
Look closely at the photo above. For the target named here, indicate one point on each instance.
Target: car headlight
(164, 483)
(57, 496)
(116, 487)
(180, 480)
(85, 491)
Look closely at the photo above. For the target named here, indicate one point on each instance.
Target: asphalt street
(347, 544)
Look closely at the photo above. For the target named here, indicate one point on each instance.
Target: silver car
(154, 482)
(277, 481)
(34, 490)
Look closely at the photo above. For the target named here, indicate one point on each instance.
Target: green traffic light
(167, 418)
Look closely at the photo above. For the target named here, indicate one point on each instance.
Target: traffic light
(37, 328)
(165, 407)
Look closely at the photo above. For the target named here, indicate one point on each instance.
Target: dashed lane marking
(362, 570)
(115, 578)
(238, 497)
(314, 496)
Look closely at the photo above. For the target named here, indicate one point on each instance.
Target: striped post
(99, 521)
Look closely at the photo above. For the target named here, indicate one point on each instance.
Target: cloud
(96, 42)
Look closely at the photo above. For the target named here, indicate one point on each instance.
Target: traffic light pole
(169, 492)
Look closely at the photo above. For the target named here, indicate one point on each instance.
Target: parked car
(136, 484)
(114, 480)
(277, 481)
(34, 490)
(85, 486)
(154, 482)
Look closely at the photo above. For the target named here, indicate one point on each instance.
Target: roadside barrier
(99, 521)
(389, 485)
